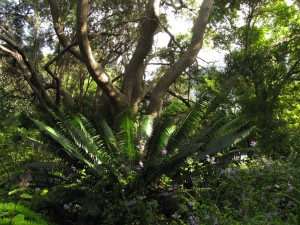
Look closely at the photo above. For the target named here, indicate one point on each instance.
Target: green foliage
(12, 214)
(262, 68)
(126, 136)
(127, 164)
(16, 155)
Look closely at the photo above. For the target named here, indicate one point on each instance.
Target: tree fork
(160, 90)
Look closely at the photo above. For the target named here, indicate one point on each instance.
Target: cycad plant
(130, 161)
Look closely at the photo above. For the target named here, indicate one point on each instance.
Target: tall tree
(112, 40)
(263, 61)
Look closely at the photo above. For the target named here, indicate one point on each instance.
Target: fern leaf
(57, 136)
(126, 136)
(186, 127)
(163, 128)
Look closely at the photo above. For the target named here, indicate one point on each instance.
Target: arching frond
(163, 127)
(126, 136)
(186, 127)
(210, 142)
(77, 137)
(69, 147)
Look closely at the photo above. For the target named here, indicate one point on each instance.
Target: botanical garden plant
(123, 173)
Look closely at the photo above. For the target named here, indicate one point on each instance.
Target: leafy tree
(261, 65)
(112, 41)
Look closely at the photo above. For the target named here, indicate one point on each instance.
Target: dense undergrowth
(249, 190)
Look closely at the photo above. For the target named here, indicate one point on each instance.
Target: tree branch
(185, 101)
(95, 70)
(54, 76)
(184, 61)
(134, 71)
(30, 73)
(270, 47)
(63, 39)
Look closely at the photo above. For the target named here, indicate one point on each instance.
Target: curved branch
(184, 61)
(30, 74)
(133, 77)
(63, 39)
(95, 70)
(54, 76)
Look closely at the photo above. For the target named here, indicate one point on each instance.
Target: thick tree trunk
(58, 27)
(132, 85)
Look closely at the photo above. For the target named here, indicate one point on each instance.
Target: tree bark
(132, 85)
(118, 100)
(57, 24)
(160, 90)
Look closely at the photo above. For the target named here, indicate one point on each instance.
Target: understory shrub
(14, 214)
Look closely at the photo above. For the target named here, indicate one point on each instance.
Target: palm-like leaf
(187, 126)
(209, 142)
(76, 135)
(69, 147)
(162, 129)
(167, 148)
(126, 136)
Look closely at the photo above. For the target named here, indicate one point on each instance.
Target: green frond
(163, 127)
(126, 136)
(209, 142)
(75, 135)
(88, 144)
(69, 147)
(229, 135)
(147, 125)
(187, 127)
(109, 139)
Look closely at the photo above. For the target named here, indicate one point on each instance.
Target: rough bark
(117, 99)
(132, 85)
(58, 27)
(183, 62)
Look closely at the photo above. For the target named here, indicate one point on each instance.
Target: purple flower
(206, 216)
(193, 220)
(191, 204)
(131, 203)
(253, 143)
(164, 152)
(290, 203)
(216, 221)
(290, 188)
(66, 206)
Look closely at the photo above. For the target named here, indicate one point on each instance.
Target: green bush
(12, 214)
(256, 191)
